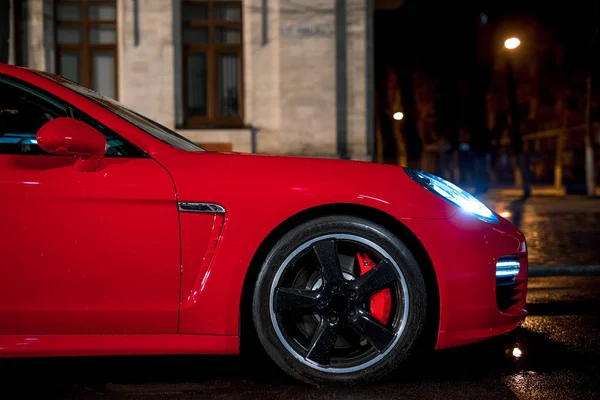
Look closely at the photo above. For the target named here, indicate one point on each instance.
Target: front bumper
(464, 252)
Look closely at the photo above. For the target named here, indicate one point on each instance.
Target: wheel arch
(428, 340)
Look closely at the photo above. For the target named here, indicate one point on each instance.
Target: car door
(82, 252)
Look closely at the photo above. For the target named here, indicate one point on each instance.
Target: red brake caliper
(381, 302)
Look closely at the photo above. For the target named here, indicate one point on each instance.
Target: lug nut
(353, 294)
(333, 318)
(335, 288)
(352, 313)
(322, 302)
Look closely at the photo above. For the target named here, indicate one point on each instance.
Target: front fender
(259, 193)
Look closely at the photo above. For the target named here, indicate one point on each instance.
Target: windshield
(147, 125)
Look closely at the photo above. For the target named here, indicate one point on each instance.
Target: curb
(564, 270)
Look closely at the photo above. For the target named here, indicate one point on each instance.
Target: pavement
(554, 355)
(562, 232)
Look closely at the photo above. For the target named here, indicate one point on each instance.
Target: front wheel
(339, 300)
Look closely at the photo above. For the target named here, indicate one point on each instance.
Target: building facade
(266, 76)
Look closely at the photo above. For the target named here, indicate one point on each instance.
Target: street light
(398, 116)
(512, 43)
(513, 110)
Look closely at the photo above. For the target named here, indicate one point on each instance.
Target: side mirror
(70, 137)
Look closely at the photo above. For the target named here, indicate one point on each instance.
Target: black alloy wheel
(312, 305)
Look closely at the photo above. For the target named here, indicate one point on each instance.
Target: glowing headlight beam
(453, 194)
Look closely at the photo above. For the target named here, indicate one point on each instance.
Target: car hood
(298, 183)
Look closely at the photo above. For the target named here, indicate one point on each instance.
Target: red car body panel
(260, 193)
(83, 253)
(464, 251)
(145, 278)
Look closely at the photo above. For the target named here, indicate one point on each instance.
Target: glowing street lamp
(512, 43)
(398, 116)
(513, 109)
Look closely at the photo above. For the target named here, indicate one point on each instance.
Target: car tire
(362, 351)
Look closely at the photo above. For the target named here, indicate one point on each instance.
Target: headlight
(453, 194)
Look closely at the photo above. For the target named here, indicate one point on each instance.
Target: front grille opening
(507, 285)
(507, 269)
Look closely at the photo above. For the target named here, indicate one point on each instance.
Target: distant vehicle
(120, 237)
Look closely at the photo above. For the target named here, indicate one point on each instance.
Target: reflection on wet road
(559, 230)
(556, 354)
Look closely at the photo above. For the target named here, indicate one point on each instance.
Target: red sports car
(119, 236)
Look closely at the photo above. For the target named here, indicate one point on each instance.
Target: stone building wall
(289, 76)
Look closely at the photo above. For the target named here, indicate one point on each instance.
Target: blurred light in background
(398, 116)
(505, 214)
(512, 43)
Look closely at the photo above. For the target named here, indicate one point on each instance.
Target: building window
(212, 63)
(86, 43)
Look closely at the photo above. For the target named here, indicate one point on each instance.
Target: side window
(24, 110)
(22, 114)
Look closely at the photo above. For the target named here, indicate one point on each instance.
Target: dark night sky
(427, 32)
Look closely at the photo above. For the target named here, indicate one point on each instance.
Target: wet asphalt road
(559, 230)
(559, 345)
